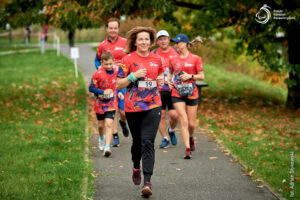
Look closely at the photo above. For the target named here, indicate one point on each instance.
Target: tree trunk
(293, 32)
(71, 37)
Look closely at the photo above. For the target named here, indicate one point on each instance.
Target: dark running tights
(143, 127)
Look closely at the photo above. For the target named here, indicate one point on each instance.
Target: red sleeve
(99, 51)
(124, 68)
(95, 79)
(199, 66)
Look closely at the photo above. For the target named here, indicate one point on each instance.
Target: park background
(248, 68)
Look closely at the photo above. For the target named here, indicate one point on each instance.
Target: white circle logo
(263, 15)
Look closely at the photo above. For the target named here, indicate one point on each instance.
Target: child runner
(139, 73)
(167, 52)
(116, 45)
(103, 85)
(186, 68)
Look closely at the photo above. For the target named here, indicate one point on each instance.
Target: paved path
(174, 178)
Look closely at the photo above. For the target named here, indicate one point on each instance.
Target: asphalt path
(209, 175)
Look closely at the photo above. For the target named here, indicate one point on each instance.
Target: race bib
(147, 84)
(107, 96)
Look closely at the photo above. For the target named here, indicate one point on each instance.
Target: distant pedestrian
(139, 72)
(116, 45)
(186, 68)
(103, 85)
(45, 32)
(167, 52)
(27, 33)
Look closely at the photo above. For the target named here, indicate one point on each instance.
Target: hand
(140, 73)
(170, 84)
(185, 76)
(160, 80)
(107, 92)
(120, 95)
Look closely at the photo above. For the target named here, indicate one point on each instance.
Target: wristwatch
(192, 76)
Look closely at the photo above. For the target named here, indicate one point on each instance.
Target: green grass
(237, 87)
(42, 121)
(249, 118)
(16, 47)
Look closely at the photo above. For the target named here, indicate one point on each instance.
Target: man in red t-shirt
(167, 52)
(115, 44)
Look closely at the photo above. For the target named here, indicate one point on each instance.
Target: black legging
(143, 127)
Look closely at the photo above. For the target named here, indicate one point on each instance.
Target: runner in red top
(192, 64)
(185, 69)
(103, 85)
(139, 73)
(116, 45)
(168, 53)
(142, 95)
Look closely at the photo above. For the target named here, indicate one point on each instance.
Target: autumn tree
(275, 44)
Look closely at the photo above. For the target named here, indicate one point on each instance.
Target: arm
(170, 84)
(132, 77)
(198, 76)
(93, 89)
(97, 62)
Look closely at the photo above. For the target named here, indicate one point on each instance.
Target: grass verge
(42, 121)
(249, 118)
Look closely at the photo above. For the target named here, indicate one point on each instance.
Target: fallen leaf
(50, 182)
(251, 172)
(260, 186)
(256, 153)
(213, 158)
(259, 131)
(165, 151)
(69, 179)
(256, 139)
(121, 166)
(178, 169)
(298, 179)
(28, 136)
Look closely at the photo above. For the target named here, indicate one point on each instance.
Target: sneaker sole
(107, 153)
(164, 147)
(146, 192)
(187, 157)
(116, 145)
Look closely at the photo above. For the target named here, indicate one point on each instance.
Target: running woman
(103, 85)
(167, 52)
(139, 72)
(186, 68)
(116, 45)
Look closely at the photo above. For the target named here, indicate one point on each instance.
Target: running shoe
(164, 143)
(116, 141)
(192, 143)
(146, 191)
(107, 152)
(188, 154)
(101, 144)
(172, 136)
(124, 128)
(136, 176)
